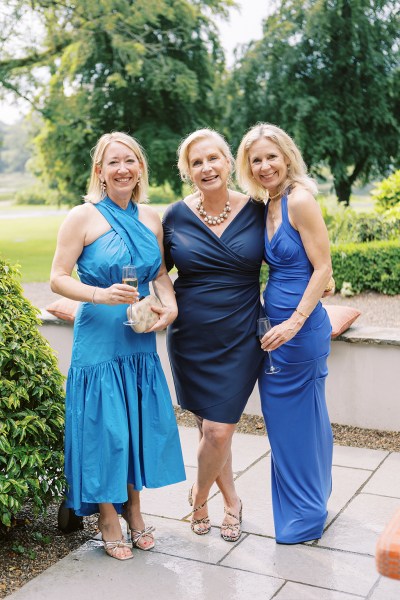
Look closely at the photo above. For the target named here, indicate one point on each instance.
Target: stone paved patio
(340, 566)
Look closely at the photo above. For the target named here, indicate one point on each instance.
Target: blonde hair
(95, 192)
(297, 170)
(197, 136)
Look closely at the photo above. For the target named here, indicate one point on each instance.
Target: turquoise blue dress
(293, 401)
(120, 424)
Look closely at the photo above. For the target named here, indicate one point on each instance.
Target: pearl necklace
(219, 218)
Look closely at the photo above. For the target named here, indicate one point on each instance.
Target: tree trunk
(343, 190)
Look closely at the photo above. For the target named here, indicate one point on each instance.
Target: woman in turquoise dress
(270, 166)
(120, 432)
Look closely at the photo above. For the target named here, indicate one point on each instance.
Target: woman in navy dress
(269, 165)
(214, 237)
(120, 428)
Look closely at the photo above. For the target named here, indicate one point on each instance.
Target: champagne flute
(264, 325)
(129, 277)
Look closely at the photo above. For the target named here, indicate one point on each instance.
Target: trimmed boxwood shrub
(371, 266)
(31, 406)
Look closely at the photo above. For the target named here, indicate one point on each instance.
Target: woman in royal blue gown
(120, 430)
(269, 165)
(214, 237)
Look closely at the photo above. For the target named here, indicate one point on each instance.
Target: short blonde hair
(197, 136)
(297, 171)
(95, 193)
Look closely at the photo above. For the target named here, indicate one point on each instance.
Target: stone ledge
(380, 336)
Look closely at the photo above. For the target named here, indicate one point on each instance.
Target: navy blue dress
(293, 400)
(214, 353)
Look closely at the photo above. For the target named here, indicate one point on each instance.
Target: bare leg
(133, 517)
(110, 528)
(215, 463)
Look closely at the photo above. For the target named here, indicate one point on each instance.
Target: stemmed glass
(264, 325)
(129, 277)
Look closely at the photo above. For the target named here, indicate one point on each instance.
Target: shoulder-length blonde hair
(297, 170)
(197, 136)
(95, 193)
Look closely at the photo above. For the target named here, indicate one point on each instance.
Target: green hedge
(31, 406)
(371, 266)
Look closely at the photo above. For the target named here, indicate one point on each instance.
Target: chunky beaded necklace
(219, 218)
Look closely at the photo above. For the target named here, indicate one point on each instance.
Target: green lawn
(31, 243)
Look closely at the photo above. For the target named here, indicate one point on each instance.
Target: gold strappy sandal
(195, 523)
(112, 547)
(234, 527)
(137, 535)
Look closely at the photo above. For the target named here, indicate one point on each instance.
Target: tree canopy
(147, 67)
(327, 71)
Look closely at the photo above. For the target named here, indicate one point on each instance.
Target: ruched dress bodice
(214, 352)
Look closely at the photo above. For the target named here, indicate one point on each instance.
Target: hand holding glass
(129, 277)
(263, 326)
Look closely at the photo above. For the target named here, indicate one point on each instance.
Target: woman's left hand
(166, 316)
(280, 334)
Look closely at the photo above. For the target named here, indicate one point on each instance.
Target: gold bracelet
(301, 313)
(95, 290)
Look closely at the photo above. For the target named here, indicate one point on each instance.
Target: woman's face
(120, 170)
(208, 168)
(268, 165)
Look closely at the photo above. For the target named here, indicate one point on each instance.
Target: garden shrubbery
(387, 192)
(31, 406)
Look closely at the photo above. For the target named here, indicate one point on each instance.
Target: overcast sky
(245, 24)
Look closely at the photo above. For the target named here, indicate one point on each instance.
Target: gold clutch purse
(142, 316)
(330, 286)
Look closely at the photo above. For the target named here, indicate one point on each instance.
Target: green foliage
(387, 192)
(31, 406)
(346, 225)
(146, 67)
(363, 267)
(162, 194)
(327, 72)
(370, 266)
(37, 195)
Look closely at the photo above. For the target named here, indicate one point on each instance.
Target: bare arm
(162, 283)
(306, 217)
(71, 240)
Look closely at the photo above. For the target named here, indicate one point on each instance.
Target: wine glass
(264, 325)
(129, 277)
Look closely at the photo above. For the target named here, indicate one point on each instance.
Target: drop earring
(103, 186)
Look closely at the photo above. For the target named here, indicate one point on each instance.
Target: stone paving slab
(339, 571)
(359, 525)
(297, 591)
(386, 481)
(340, 566)
(90, 574)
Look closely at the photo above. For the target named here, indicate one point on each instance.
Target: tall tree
(327, 71)
(147, 67)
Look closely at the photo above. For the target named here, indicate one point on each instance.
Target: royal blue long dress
(213, 349)
(293, 400)
(120, 425)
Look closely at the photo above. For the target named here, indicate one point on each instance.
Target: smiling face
(120, 170)
(208, 167)
(268, 165)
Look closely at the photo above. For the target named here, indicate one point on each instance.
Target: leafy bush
(387, 192)
(162, 194)
(373, 266)
(37, 195)
(31, 406)
(346, 225)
